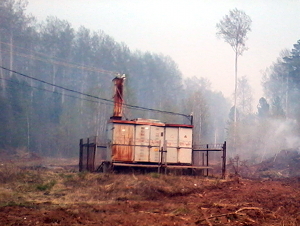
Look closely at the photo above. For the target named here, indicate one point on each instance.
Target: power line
(92, 96)
(57, 86)
(63, 94)
(55, 92)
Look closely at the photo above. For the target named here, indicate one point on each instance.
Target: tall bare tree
(233, 28)
(244, 96)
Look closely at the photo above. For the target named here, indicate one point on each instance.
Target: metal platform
(165, 166)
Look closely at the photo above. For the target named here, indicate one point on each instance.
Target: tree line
(47, 119)
(42, 62)
(275, 126)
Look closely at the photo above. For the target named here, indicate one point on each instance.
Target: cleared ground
(52, 192)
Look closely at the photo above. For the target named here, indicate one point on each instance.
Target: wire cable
(57, 86)
(92, 96)
(55, 92)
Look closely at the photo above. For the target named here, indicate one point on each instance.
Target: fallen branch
(248, 208)
(227, 214)
(205, 216)
(229, 204)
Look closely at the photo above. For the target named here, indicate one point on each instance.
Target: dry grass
(73, 195)
(67, 187)
(9, 172)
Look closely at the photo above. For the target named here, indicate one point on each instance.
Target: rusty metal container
(121, 137)
(135, 141)
(149, 141)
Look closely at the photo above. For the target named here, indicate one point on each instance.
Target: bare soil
(51, 192)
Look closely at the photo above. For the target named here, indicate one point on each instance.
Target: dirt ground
(51, 192)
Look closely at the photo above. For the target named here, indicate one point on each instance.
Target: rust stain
(122, 153)
(123, 149)
(118, 97)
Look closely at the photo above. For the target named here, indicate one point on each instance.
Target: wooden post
(224, 161)
(94, 154)
(206, 159)
(87, 153)
(80, 154)
(207, 162)
(160, 161)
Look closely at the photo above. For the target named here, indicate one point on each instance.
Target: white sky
(186, 31)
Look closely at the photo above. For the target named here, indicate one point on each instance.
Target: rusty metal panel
(185, 155)
(123, 134)
(122, 153)
(185, 137)
(122, 145)
(118, 97)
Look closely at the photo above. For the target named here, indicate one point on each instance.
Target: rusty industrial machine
(145, 143)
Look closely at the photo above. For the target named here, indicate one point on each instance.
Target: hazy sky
(186, 31)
